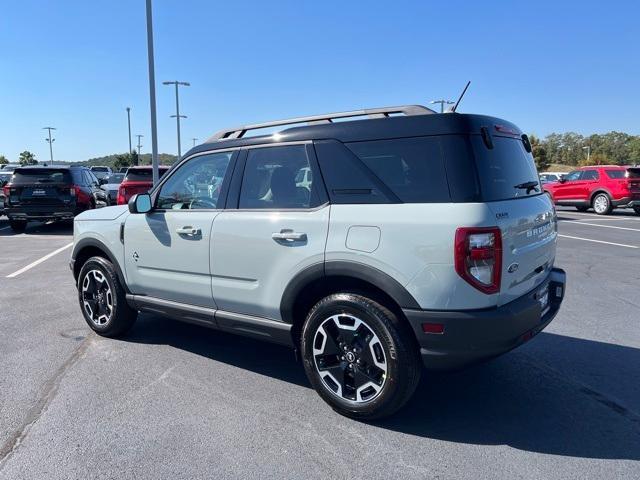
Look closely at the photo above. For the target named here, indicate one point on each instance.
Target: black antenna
(461, 95)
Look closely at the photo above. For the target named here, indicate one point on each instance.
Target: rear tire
(602, 204)
(360, 358)
(103, 299)
(18, 226)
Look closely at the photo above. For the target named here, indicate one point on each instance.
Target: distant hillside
(145, 159)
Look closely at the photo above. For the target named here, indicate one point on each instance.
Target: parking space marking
(39, 261)
(5, 228)
(598, 241)
(598, 225)
(623, 217)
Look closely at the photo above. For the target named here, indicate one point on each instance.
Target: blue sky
(547, 66)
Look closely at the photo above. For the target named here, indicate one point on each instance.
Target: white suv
(371, 246)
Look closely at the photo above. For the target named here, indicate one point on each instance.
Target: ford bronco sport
(417, 239)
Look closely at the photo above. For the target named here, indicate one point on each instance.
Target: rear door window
(412, 168)
(41, 176)
(506, 171)
(590, 175)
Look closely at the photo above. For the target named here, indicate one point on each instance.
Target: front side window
(196, 184)
(276, 177)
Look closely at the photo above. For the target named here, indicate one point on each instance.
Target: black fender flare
(343, 268)
(95, 243)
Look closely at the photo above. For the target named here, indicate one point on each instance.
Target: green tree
(539, 153)
(3, 160)
(134, 158)
(27, 158)
(122, 160)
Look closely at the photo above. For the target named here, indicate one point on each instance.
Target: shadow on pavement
(532, 399)
(38, 228)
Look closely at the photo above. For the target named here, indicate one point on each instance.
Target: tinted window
(143, 174)
(196, 184)
(41, 175)
(272, 178)
(615, 173)
(573, 176)
(4, 178)
(506, 171)
(590, 175)
(412, 168)
(100, 169)
(115, 178)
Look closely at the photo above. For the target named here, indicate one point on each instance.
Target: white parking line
(5, 228)
(39, 261)
(598, 241)
(602, 217)
(598, 225)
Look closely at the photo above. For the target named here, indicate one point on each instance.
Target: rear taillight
(6, 190)
(121, 198)
(478, 257)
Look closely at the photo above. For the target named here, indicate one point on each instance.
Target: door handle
(190, 231)
(288, 235)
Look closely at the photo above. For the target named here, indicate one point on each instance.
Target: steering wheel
(201, 202)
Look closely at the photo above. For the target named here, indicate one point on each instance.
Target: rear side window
(276, 177)
(506, 171)
(41, 176)
(615, 174)
(590, 175)
(412, 168)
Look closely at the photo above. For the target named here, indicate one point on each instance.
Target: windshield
(40, 175)
(507, 170)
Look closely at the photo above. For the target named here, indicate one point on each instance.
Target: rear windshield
(633, 172)
(40, 176)
(142, 174)
(100, 169)
(506, 171)
(115, 178)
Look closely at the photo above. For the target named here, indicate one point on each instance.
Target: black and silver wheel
(18, 226)
(103, 299)
(601, 204)
(359, 357)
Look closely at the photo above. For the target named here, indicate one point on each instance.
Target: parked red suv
(601, 187)
(137, 180)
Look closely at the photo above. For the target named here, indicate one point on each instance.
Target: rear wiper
(532, 185)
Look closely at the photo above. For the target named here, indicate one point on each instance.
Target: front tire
(637, 210)
(360, 358)
(103, 299)
(602, 204)
(18, 226)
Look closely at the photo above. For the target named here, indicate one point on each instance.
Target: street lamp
(177, 116)
(152, 94)
(588, 149)
(50, 142)
(139, 144)
(129, 124)
(442, 103)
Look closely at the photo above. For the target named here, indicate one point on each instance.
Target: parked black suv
(50, 193)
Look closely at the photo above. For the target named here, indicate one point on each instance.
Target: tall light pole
(139, 144)
(152, 94)
(50, 141)
(129, 124)
(442, 103)
(177, 116)
(588, 149)
(194, 141)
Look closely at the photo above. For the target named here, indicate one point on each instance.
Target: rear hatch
(510, 185)
(633, 177)
(50, 187)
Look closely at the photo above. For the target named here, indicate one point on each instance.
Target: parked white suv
(371, 246)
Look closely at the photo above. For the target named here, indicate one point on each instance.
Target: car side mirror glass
(140, 203)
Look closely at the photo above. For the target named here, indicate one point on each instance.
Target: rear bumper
(41, 212)
(471, 336)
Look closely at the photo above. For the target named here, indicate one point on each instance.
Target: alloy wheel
(601, 204)
(349, 358)
(97, 298)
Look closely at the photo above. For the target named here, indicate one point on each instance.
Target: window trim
(224, 189)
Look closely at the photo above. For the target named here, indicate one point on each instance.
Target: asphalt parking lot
(173, 400)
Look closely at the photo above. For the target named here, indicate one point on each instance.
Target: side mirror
(562, 179)
(102, 181)
(140, 203)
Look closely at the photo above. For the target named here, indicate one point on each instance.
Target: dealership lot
(172, 400)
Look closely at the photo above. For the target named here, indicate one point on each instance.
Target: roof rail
(239, 132)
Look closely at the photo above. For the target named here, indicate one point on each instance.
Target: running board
(246, 325)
